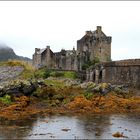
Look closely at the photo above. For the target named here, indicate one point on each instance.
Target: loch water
(72, 127)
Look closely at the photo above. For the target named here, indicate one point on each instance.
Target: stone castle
(93, 45)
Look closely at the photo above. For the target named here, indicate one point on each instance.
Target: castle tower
(94, 45)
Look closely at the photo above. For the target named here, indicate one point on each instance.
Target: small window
(100, 49)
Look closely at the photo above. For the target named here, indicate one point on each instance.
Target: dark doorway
(100, 77)
(94, 77)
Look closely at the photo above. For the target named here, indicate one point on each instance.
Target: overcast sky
(26, 25)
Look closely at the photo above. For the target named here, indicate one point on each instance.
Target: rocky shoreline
(60, 95)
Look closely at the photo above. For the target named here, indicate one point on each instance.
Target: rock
(19, 87)
(97, 88)
(121, 89)
(9, 73)
(87, 85)
(104, 88)
(59, 97)
(66, 129)
(118, 135)
(70, 82)
(97, 134)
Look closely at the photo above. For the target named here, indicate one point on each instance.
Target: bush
(90, 63)
(88, 95)
(6, 99)
(85, 66)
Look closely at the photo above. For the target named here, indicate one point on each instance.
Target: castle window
(100, 49)
(87, 44)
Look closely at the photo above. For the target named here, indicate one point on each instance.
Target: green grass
(45, 73)
(2, 63)
(30, 72)
(57, 74)
(56, 83)
(42, 73)
(64, 74)
(71, 75)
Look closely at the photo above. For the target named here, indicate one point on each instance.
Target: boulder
(20, 87)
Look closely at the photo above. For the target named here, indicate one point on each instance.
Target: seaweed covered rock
(87, 85)
(19, 87)
(104, 88)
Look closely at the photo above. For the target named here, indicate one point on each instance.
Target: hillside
(7, 53)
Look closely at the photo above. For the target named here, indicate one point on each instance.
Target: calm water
(72, 127)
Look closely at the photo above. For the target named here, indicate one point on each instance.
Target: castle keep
(93, 45)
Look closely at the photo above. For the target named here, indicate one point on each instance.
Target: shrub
(85, 66)
(88, 95)
(6, 99)
(90, 63)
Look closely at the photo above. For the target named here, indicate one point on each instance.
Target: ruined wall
(43, 57)
(123, 72)
(66, 60)
(129, 75)
(50, 58)
(37, 58)
(118, 72)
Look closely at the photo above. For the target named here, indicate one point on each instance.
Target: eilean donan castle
(93, 45)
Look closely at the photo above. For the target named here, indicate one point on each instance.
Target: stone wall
(37, 60)
(66, 60)
(117, 72)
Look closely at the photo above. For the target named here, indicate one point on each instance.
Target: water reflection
(72, 127)
(16, 129)
(94, 125)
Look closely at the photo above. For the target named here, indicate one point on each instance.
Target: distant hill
(7, 53)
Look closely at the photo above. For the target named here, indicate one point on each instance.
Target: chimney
(48, 47)
(99, 28)
(37, 50)
(89, 33)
